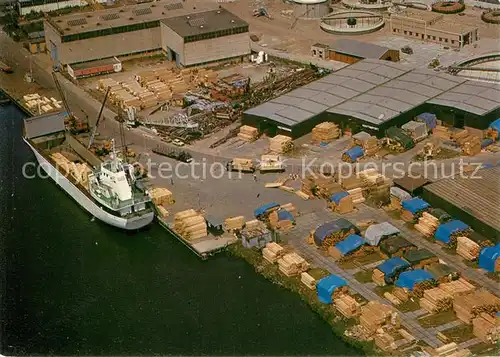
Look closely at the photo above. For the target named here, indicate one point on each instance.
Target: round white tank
(311, 9)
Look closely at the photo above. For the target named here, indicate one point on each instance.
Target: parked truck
(271, 163)
(241, 165)
(5, 68)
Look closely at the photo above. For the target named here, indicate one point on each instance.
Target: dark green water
(72, 286)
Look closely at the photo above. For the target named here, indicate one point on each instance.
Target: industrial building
(429, 26)
(472, 200)
(204, 37)
(373, 95)
(128, 31)
(24, 7)
(352, 51)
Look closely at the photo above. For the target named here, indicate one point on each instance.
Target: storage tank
(311, 9)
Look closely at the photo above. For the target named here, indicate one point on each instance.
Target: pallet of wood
(486, 327)
(272, 252)
(471, 147)
(280, 144)
(471, 305)
(441, 132)
(401, 293)
(232, 224)
(283, 225)
(436, 300)
(319, 185)
(248, 133)
(407, 216)
(378, 277)
(347, 306)
(457, 287)
(292, 264)
(325, 133)
(308, 280)
(357, 195)
(161, 196)
(333, 238)
(467, 248)
(375, 315)
(427, 224)
(345, 205)
(392, 299)
(190, 225)
(163, 212)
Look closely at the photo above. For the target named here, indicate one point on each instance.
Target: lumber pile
(445, 350)
(280, 144)
(441, 132)
(407, 216)
(333, 239)
(161, 196)
(34, 102)
(232, 224)
(351, 182)
(292, 264)
(272, 252)
(393, 299)
(420, 288)
(457, 287)
(375, 315)
(308, 280)
(436, 300)
(376, 186)
(401, 293)
(190, 225)
(385, 342)
(427, 224)
(472, 146)
(248, 133)
(486, 328)
(467, 248)
(281, 225)
(345, 205)
(325, 133)
(356, 195)
(163, 212)
(368, 142)
(378, 277)
(319, 185)
(471, 305)
(347, 306)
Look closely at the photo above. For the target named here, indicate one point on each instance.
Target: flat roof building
(373, 95)
(352, 51)
(25, 7)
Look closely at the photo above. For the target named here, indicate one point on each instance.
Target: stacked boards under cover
(190, 225)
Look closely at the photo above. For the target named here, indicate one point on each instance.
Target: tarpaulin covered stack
(341, 202)
(325, 133)
(489, 258)
(375, 315)
(396, 246)
(367, 142)
(248, 133)
(330, 287)
(494, 130)
(472, 305)
(429, 119)
(280, 144)
(265, 210)
(412, 208)
(376, 186)
(161, 196)
(347, 306)
(486, 328)
(416, 130)
(436, 300)
(292, 264)
(441, 132)
(427, 224)
(447, 233)
(389, 271)
(353, 154)
(272, 252)
(376, 232)
(232, 224)
(347, 246)
(308, 280)
(190, 225)
(442, 273)
(415, 281)
(397, 196)
(419, 258)
(333, 232)
(282, 219)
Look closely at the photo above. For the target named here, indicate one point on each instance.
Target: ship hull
(129, 223)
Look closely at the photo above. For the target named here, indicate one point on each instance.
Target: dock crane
(99, 116)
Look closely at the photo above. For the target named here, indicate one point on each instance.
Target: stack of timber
(161, 196)
(292, 264)
(272, 252)
(441, 132)
(368, 142)
(472, 146)
(375, 184)
(280, 144)
(467, 248)
(345, 205)
(333, 238)
(347, 306)
(79, 172)
(319, 186)
(233, 224)
(450, 350)
(407, 216)
(486, 328)
(356, 195)
(308, 280)
(248, 133)
(325, 133)
(427, 224)
(436, 300)
(281, 225)
(351, 182)
(163, 212)
(420, 288)
(393, 299)
(472, 305)
(375, 315)
(397, 341)
(457, 287)
(401, 294)
(190, 225)
(378, 277)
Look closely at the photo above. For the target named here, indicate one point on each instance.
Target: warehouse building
(204, 37)
(430, 27)
(24, 7)
(352, 51)
(373, 95)
(125, 31)
(475, 201)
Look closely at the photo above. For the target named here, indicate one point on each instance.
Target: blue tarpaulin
(351, 243)
(409, 279)
(355, 153)
(486, 166)
(429, 119)
(328, 228)
(392, 266)
(444, 231)
(415, 205)
(488, 257)
(262, 209)
(326, 286)
(284, 215)
(336, 197)
(495, 125)
(486, 142)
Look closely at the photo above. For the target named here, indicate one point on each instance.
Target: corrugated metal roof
(358, 48)
(479, 197)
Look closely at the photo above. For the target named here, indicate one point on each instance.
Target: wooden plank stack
(308, 280)
(333, 239)
(375, 315)
(345, 205)
(248, 133)
(393, 300)
(272, 252)
(401, 293)
(378, 277)
(436, 300)
(356, 195)
(292, 264)
(161, 196)
(420, 288)
(407, 216)
(232, 224)
(281, 225)
(319, 185)
(441, 132)
(427, 224)
(472, 146)
(347, 306)
(486, 328)
(280, 144)
(471, 305)
(457, 287)
(190, 225)
(371, 146)
(467, 248)
(163, 212)
(375, 184)
(325, 133)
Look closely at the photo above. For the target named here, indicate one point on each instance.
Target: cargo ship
(108, 189)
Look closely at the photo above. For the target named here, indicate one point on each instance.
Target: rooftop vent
(77, 22)
(144, 11)
(197, 22)
(174, 6)
(232, 21)
(109, 17)
(218, 11)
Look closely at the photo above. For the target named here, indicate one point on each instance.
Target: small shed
(256, 238)
(409, 279)
(377, 232)
(391, 269)
(445, 231)
(396, 246)
(415, 205)
(328, 228)
(267, 208)
(326, 287)
(416, 130)
(412, 185)
(489, 258)
(350, 244)
(419, 258)
(429, 119)
(442, 272)
(215, 224)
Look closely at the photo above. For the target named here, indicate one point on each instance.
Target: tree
(351, 21)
